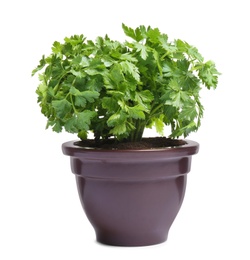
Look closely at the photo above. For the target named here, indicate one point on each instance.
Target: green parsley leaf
(62, 107)
(130, 68)
(134, 34)
(136, 112)
(142, 49)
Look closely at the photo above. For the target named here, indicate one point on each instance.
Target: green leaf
(75, 39)
(83, 96)
(83, 119)
(130, 68)
(185, 130)
(92, 72)
(84, 62)
(119, 129)
(116, 74)
(183, 65)
(153, 35)
(70, 125)
(90, 96)
(136, 112)
(107, 61)
(144, 96)
(57, 47)
(159, 124)
(110, 104)
(188, 112)
(176, 99)
(142, 49)
(40, 66)
(79, 121)
(42, 89)
(167, 70)
(83, 135)
(128, 57)
(56, 126)
(62, 107)
(74, 91)
(181, 45)
(134, 34)
(174, 84)
(81, 61)
(209, 74)
(80, 101)
(193, 52)
(163, 39)
(114, 119)
(78, 74)
(123, 105)
(117, 119)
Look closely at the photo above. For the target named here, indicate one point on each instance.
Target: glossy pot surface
(131, 197)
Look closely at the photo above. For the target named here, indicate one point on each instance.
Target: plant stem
(72, 103)
(154, 111)
(137, 134)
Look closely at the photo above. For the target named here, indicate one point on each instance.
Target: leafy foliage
(118, 89)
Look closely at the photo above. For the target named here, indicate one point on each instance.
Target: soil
(145, 143)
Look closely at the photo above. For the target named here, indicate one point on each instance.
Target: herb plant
(118, 89)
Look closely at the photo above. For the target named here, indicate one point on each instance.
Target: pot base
(111, 239)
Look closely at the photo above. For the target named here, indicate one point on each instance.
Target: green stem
(72, 103)
(57, 87)
(137, 134)
(154, 110)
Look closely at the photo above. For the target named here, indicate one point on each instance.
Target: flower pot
(131, 197)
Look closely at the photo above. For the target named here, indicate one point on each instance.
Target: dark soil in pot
(145, 143)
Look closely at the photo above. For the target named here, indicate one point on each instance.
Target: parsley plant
(118, 89)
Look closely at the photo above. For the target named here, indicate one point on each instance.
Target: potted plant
(131, 187)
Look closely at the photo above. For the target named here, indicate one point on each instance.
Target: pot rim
(190, 148)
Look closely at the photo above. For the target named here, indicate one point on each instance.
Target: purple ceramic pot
(131, 197)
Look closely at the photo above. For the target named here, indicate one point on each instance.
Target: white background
(41, 216)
